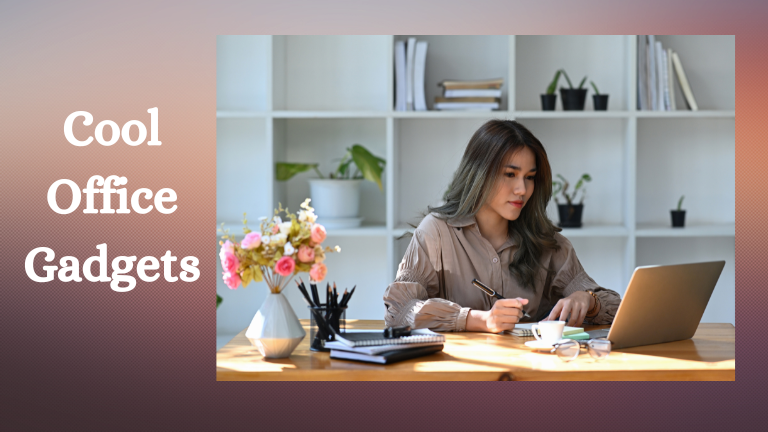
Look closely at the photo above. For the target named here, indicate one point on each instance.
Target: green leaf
(581, 84)
(246, 277)
(553, 84)
(567, 78)
(284, 171)
(218, 300)
(256, 274)
(368, 164)
(581, 181)
(680, 203)
(597, 92)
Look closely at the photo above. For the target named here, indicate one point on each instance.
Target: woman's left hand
(576, 305)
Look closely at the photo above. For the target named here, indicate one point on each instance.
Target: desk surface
(709, 355)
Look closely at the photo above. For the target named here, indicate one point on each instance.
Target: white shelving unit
(307, 98)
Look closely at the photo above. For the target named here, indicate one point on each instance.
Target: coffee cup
(551, 331)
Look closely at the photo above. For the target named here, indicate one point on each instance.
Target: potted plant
(570, 213)
(274, 253)
(550, 97)
(678, 216)
(337, 198)
(573, 98)
(599, 100)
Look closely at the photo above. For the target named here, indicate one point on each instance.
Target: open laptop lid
(664, 303)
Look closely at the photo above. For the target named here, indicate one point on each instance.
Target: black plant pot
(548, 102)
(678, 218)
(573, 99)
(570, 215)
(600, 102)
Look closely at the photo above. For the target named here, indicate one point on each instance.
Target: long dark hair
(473, 184)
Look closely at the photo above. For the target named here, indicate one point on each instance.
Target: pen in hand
(493, 293)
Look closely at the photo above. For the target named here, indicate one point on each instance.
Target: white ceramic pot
(275, 330)
(335, 199)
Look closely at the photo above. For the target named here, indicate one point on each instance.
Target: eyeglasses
(568, 350)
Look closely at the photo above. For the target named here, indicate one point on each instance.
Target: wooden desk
(709, 355)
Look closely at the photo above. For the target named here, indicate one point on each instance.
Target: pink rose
(285, 266)
(230, 263)
(226, 247)
(306, 254)
(318, 233)
(252, 240)
(275, 229)
(232, 280)
(317, 272)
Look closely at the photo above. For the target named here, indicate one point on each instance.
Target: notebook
(387, 357)
(524, 330)
(376, 349)
(377, 338)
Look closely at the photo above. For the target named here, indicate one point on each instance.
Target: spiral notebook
(358, 339)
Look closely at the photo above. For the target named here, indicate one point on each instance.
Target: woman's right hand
(503, 315)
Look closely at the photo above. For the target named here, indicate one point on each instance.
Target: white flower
(307, 216)
(288, 250)
(279, 239)
(337, 248)
(277, 220)
(305, 205)
(266, 240)
(285, 227)
(263, 218)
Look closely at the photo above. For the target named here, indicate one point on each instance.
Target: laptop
(662, 303)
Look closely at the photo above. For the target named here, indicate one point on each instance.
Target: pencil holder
(336, 317)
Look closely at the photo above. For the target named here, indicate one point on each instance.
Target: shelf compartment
(332, 73)
(691, 157)
(325, 141)
(464, 58)
(242, 81)
(603, 59)
(713, 83)
(593, 146)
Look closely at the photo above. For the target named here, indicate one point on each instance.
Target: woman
(494, 227)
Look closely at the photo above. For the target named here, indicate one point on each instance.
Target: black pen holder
(335, 317)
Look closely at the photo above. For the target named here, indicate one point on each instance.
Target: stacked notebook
(373, 347)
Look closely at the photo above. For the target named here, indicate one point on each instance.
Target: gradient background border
(81, 356)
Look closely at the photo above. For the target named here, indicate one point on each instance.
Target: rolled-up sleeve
(571, 277)
(412, 298)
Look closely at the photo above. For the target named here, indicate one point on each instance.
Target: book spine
(652, 70)
(659, 77)
(670, 81)
(684, 83)
(410, 54)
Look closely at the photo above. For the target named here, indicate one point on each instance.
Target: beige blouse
(433, 286)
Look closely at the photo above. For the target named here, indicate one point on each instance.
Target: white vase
(275, 330)
(335, 199)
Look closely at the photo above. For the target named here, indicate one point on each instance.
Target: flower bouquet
(274, 254)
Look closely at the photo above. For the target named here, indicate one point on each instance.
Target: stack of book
(656, 68)
(470, 95)
(373, 347)
(410, 69)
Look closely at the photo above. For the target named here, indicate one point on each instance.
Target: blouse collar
(466, 221)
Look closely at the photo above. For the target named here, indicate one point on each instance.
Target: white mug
(551, 331)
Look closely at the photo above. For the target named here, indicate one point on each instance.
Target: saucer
(539, 345)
